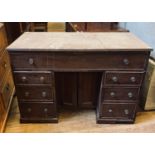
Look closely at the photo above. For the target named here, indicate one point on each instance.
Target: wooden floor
(83, 121)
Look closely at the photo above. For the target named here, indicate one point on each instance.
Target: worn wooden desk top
(78, 41)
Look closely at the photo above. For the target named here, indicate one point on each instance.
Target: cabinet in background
(6, 80)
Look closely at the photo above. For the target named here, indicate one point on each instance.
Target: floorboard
(81, 121)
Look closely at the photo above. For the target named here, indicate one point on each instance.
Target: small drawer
(37, 110)
(4, 64)
(7, 90)
(120, 94)
(30, 77)
(123, 78)
(28, 61)
(118, 110)
(35, 93)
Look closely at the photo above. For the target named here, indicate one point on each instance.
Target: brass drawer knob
(114, 79)
(42, 79)
(45, 110)
(29, 109)
(130, 95)
(110, 110)
(31, 61)
(44, 94)
(126, 111)
(27, 94)
(24, 79)
(126, 61)
(133, 79)
(112, 94)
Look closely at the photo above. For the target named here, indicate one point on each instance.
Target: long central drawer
(78, 61)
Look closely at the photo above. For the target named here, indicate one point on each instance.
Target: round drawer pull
(24, 79)
(44, 94)
(110, 110)
(126, 111)
(114, 79)
(112, 94)
(31, 61)
(27, 94)
(126, 61)
(130, 95)
(45, 109)
(29, 109)
(42, 79)
(133, 79)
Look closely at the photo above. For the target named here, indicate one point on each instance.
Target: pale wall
(144, 30)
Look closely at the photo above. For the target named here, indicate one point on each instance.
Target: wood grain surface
(60, 41)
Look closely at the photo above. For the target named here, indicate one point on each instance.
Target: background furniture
(38, 26)
(93, 27)
(148, 98)
(13, 30)
(6, 81)
(56, 26)
(117, 61)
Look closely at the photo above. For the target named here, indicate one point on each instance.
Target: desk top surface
(78, 41)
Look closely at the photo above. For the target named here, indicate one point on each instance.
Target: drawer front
(97, 61)
(28, 61)
(118, 110)
(37, 110)
(7, 90)
(120, 94)
(4, 65)
(35, 93)
(123, 78)
(29, 77)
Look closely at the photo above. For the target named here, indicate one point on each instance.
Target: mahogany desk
(115, 61)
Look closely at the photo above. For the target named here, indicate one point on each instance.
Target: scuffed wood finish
(63, 41)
